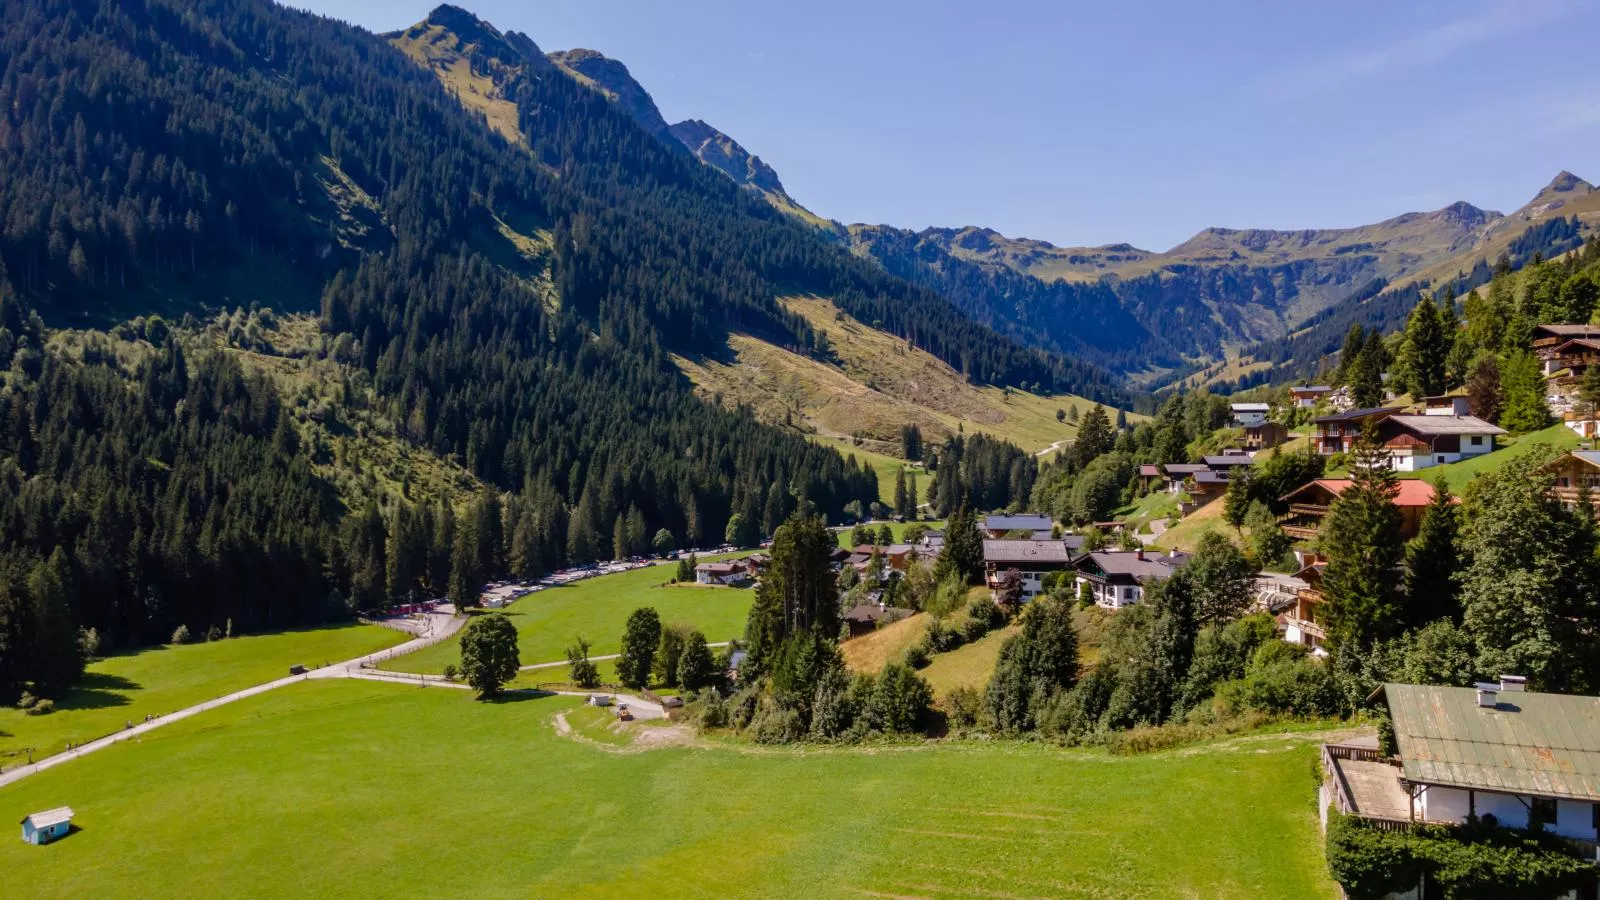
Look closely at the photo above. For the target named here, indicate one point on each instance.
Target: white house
(47, 826)
(1033, 560)
(732, 572)
(1498, 752)
(1116, 578)
(1418, 442)
(1247, 414)
(1306, 395)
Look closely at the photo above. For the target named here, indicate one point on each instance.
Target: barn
(44, 827)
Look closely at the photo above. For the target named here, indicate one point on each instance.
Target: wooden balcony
(1308, 509)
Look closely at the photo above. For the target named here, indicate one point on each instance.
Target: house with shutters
(1309, 504)
(1117, 578)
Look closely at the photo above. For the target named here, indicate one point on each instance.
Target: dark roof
(1001, 552)
(867, 612)
(1547, 745)
(1357, 414)
(1185, 468)
(1587, 343)
(1026, 522)
(1592, 457)
(1137, 565)
(1229, 459)
(1310, 388)
(1072, 541)
(1209, 477)
(1568, 330)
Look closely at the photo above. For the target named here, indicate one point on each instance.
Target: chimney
(1488, 694)
(1513, 683)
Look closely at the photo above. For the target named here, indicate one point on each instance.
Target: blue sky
(1097, 123)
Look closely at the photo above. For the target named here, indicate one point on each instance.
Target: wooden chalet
(1571, 359)
(1337, 433)
(1306, 395)
(1576, 473)
(1548, 340)
(1265, 436)
(1418, 442)
(1309, 505)
(1300, 622)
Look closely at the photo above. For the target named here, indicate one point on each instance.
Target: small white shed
(44, 827)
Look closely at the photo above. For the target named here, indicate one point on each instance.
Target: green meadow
(126, 687)
(347, 788)
(597, 608)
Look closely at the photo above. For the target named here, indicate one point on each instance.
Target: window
(1542, 811)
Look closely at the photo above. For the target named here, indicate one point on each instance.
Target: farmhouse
(1116, 578)
(1149, 474)
(1418, 442)
(47, 826)
(1033, 559)
(1306, 395)
(1447, 405)
(1496, 752)
(1309, 503)
(1247, 414)
(1179, 473)
(731, 572)
(1338, 432)
(999, 526)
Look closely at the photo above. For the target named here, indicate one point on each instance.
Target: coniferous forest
(184, 155)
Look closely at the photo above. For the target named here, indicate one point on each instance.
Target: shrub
(742, 707)
(900, 700)
(213, 634)
(963, 708)
(581, 670)
(916, 655)
(181, 635)
(774, 724)
(42, 708)
(452, 672)
(26, 701)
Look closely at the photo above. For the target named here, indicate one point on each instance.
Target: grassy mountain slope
(874, 384)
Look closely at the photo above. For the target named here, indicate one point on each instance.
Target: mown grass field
(970, 665)
(897, 528)
(886, 467)
(597, 609)
(345, 788)
(127, 687)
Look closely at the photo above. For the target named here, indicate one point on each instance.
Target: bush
(213, 634)
(774, 724)
(900, 700)
(452, 672)
(742, 707)
(963, 708)
(42, 708)
(711, 710)
(181, 635)
(916, 655)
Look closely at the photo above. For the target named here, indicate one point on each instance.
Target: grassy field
(127, 687)
(597, 608)
(886, 466)
(872, 651)
(896, 528)
(969, 665)
(1186, 534)
(346, 788)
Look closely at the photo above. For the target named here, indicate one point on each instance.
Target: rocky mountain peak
(1566, 183)
(612, 78)
(724, 154)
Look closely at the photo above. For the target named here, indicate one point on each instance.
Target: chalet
(1447, 405)
(47, 826)
(1033, 559)
(1306, 396)
(898, 557)
(1301, 622)
(1179, 473)
(1577, 472)
(931, 543)
(1247, 414)
(1207, 485)
(999, 526)
(1117, 578)
(866, 617)
(1549, 339)
(1571, 359)
(1309, 504)
(1496, 752)
(1417, 442)
(1338, 432)
(1228, 460)
(1264, 436)
(730, 572)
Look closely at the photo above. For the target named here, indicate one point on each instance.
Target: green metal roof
(1545, 745)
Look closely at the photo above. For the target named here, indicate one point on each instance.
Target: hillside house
(1577, 472)
(1178, 474)
(1228, 460)
(1264, 436)
(1117, 578)
(1207, 486)
(1247, 414)
(1418, 442)
(1498, 752)
(1569, 361)
(1307, 395)
(1300, 621)
(1549, 339)
(731, 572)
(1149, 476)
(1337, 433)
(997, 527)
(49, 825)
(1033, 559)
(863, 618)
(1309, 504)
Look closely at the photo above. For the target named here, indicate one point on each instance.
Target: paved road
(641, 708)
(438, 627)
(563, 662)
(1053, 447)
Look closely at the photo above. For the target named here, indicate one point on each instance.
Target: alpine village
(426, 471)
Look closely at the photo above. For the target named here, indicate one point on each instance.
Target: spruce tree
(641, 637)
(1424, 351)
(1432, 562)
(962, 554)
(1365, 378)
(1522, 384)
(1354, 340)
(1484, 398)
(1361, 538)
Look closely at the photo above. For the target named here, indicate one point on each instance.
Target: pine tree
(902, 502)
(1424, 352)
(1361, 538)
(962, 554)
(1095, 436)
(1522, 384)
(1365, 378)
(1354, 340)
(1236, 502)
(1484, 398)
(1432, 562)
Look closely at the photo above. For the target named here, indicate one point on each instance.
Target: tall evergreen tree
(1361, 538)
(962, 554)
(1095, 436)
(1433, 560)
(1365, 378)
(1522, 383)
(1424, 351)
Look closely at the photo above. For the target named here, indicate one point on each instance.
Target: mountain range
(1150, 316)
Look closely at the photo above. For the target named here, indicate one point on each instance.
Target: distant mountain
(611, 78)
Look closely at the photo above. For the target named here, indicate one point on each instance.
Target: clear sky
(1092, 123)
